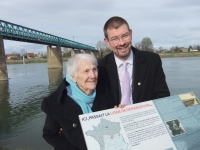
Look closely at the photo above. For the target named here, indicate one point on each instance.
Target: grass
(31, 60)
(180, 54)
(162, 55)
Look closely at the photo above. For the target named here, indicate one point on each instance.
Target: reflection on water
(21, 119)
(4, 105)
(4, 89)
(55, 76)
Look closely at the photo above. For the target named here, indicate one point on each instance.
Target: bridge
(11, 31)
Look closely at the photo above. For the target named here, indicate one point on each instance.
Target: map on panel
(107, 134)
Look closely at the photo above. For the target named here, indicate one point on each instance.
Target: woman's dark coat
(62, 111)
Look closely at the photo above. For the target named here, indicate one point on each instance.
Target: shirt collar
(129, 60)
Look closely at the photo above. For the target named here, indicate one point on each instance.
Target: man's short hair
(114, 23)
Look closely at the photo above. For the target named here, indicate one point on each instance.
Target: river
(21, 119)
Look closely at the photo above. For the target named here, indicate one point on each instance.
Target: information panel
(171, 123)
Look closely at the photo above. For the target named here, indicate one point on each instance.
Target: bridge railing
(17, 32)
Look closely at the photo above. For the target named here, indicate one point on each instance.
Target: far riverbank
(31, 60)
(189, 54)
(42, 60)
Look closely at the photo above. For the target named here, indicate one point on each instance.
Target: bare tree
(44, 54)
(147, 44)
(101, 45)
(194, 46)
(98, 46)
(198, 47)
(14, 52)
(104, 46)
(138, 46)
(175, 49)
(23, 52)
(160, 49)
(66, 50)
(15, 55)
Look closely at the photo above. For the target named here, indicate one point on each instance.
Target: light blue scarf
(81, 98)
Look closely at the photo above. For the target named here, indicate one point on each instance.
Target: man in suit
(146, 76)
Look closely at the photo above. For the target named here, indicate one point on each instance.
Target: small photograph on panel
(175, 127)
(189, 99)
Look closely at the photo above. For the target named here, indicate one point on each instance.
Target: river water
(21, 119)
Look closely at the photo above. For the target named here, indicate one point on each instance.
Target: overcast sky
(166, 22)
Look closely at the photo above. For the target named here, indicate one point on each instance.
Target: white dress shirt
(119, 64)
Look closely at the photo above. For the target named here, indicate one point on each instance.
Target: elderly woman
(79, 93)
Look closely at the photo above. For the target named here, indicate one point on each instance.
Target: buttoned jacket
(62, 111)
(148, 79)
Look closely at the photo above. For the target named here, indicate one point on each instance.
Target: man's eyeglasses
(124, 37)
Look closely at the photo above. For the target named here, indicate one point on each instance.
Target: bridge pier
(74, 52)
(96, 54)
(3, 67)
(92, 53)
(83, 51)
(54, 57)
(87, 52)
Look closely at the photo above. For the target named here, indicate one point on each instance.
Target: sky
(166, 22)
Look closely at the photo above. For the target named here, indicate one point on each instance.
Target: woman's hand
(120, 106)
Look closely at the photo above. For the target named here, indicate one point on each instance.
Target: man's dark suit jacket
(62, 111)
(148, 77)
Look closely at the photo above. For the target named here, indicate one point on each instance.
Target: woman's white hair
(74, 62)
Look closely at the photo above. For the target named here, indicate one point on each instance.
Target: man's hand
(120, 106)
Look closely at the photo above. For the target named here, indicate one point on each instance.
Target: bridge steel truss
(16, 32)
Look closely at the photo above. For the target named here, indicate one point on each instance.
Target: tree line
(147, 45)
(23, 53)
